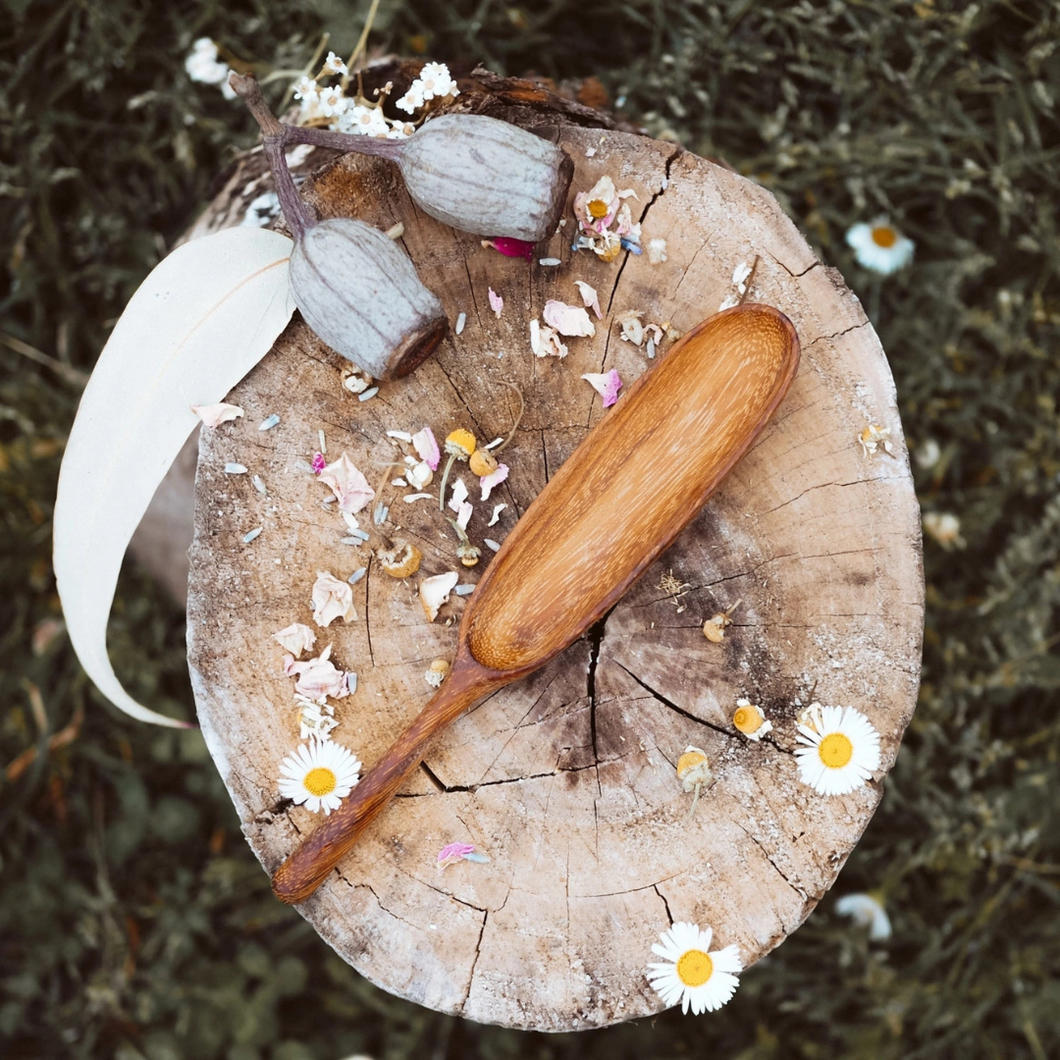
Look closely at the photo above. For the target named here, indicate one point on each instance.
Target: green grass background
(134, 921)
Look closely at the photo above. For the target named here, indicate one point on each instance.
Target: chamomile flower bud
(750, 720)
(460, 443)
(482, 463)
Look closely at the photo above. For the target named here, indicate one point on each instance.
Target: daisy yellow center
(598, 208)
(747, 720)
(320, 781)
(694, 967)
(836, 750)
(884, 236)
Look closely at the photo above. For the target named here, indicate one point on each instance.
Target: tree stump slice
(567, 779)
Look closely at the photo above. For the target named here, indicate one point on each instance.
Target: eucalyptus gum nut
(361, 295)
(485, 176)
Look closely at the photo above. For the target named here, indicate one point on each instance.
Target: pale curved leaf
(199, 322)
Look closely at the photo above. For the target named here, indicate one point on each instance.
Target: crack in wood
(672, 705)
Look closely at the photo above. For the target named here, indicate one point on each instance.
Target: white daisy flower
(879, 246)
(691, 973)
(840, 751)
(320, 774)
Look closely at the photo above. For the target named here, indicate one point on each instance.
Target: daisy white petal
(879, 246)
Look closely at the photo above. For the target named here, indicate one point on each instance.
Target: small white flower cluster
(434, 82)
(356, 115)
(204, 64)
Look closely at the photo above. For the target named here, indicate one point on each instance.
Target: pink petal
(606, 384)
(427, 447)
(512, 248)
(494, 478)
(319, 463)
(451, 853)
(496, 302)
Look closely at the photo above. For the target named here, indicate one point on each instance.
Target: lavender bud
(360, 293)
(486, 176)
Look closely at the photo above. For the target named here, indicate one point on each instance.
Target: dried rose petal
(296, 638)
(589, 297)
(496, 302)
(427, 447)
(511, 248)
(435, 591)
(348, 484)
(568, 319)
(606, 384)
(318, 678)
(214, 415)
(332, 599)
(495, 478)
(451, 853)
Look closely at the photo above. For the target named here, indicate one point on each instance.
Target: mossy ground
(134, 921)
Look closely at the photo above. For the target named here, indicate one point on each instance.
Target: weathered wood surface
(567, 778)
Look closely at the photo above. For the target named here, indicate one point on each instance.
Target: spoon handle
(304, 870)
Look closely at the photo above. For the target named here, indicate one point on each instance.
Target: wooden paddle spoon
(623, 495)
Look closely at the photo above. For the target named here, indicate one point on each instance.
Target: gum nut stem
(486, 176)
(482, 463)
(401, 560)
(360, 293)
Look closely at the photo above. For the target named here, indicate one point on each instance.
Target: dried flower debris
(214, 415)
(606, 384)
(332, 599)
(318, 678)
(349, 485)
(434, 592)
(296, 638)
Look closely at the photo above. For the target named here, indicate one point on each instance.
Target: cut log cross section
(566, 780)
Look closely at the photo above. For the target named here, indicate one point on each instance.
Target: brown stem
(274, 137)
(339, 141)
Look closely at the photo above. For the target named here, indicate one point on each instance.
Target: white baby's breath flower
(691, 973)
(364, 121)
(840, 749)
(203, 64)
(307, 91)
(412, 100)
(879, 246)
(868, 912)
(332, 102)
(320, 774)
(437, 81)
(334, 65)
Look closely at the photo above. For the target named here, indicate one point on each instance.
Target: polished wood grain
(613, 507)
